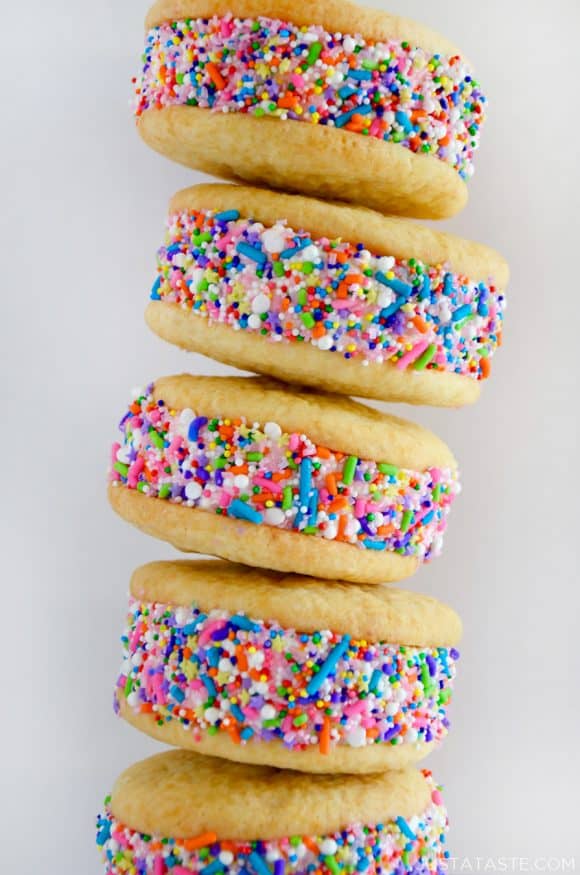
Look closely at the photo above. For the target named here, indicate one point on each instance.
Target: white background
(83, 211)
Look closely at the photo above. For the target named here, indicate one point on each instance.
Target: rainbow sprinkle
(390, 90)
(259, 474)
(217, 672)
(285, 286)
(413, 846)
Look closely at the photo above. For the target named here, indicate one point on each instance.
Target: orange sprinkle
(311, 845)
(485, 368)
(325, 736)
(146, 708)
(330, 481)
(420, 324)
(241, 658)
(323, 452)
(342, 520)
(319, 330)
(234, 734)
(339, 503)
(287, 102)
(239, 469)
(215, 76)
(201, 841)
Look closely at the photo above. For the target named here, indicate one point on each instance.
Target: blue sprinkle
(363, 865)
(196, 426)
(448, 284)
(482, 307)
(247, 733)
(328, 666)
(251, 252)
(403, 119)
(212, 869)
(405, 828)
(313, 508)
(294, 250)
(305, 481)
(227, 216)
(401, 288)
(375, 545)
(346, 91)
(341, 120)
(279, 867)
(191, 628)
(425, 289)
(462, 313)
(155, 296)
(242, 511)
(427, 518)
(258, 864)
(177, 693)
(392, 308)
(208, 684)
(245, 623)
(360, 75)
(376, 679)
(238, 713)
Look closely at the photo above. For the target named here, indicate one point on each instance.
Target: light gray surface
(83, 212)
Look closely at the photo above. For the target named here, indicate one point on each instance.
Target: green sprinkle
(308, 320)
(424, 359)
(300, 721)
(310, 530)
(332, 865)
(437, 492)
(254, 457)
(287, 498)
(349, 469)
(406, 521)
(165, 491)
(308, 267)
(302, 297)
(279, 268)
(390, 470)
(272, 724)
(156, 439)
(121, 469)
(313, 54)
(142, 487)
(128, 687)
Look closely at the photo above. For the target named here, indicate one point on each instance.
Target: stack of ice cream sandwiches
(300, 688)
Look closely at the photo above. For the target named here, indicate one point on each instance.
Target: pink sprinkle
(437, 797)
(355, 708)
(375, 128)
(135, 638)
(208, 630)
(360, 507)
(269, 485)
(294, 441)
(121, 682)
(297, 80)
(412, 355)
(114, 450)
(226, 27)
(158, 867)
(134, 471)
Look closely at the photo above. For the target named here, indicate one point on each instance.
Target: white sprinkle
(226, 858)
(254, 321)
(273, 240)
(328, 847)
(273, 516)
(261, 304)
(268, 712)
(193, 491)
(326, 342)
(273, 431)
(241, 482)
(357, 737)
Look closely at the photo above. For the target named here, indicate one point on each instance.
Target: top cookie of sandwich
(390, 111)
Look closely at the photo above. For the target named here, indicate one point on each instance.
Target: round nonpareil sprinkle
(391, 91)
(215, 672)
(403, 846)
(287, 286)
(259, 474)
